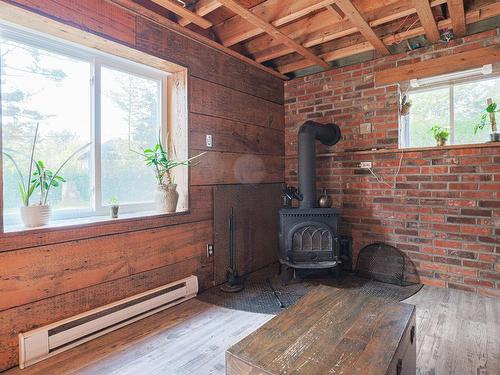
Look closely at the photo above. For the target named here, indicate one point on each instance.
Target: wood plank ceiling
(284, 37)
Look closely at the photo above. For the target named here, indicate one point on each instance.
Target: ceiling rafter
(309, 35)
(336, 12)
(357, 20)
(236, 29)
(427, 19)
(273, 31)
(201, 8)
(457, 15)
(472, 16)
(139, 10)
(178, 9)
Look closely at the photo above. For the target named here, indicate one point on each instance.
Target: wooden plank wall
(54, 274)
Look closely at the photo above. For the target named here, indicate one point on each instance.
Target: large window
(78, 96)
(455, 106)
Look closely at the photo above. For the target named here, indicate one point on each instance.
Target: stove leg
(337, 273)
(287, 274)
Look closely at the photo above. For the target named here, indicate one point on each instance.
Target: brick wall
(442, 209)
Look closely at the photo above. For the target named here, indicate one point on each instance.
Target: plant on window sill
(42, 178)
(440, 135)
(489, 112)
(166, 195)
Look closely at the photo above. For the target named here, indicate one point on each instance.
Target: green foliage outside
(432, 107)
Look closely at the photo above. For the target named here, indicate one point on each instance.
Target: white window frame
(97, 60)
(404, 127)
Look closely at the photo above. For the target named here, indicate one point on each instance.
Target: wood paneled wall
(50, 275)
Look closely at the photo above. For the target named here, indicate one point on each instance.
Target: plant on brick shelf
(489, 112)
(440, 135)
(166, 195)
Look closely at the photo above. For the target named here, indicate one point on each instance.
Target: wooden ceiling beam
(201, 8)
(273, 31)
(358, 21)
(317, 29)
(441, 65)
(275, 12)
(472, 16)
(427, 20)
(336, 12)
(178, 9)
(140, 11)
(457, 15)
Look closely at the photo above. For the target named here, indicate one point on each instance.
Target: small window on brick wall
(454, 106)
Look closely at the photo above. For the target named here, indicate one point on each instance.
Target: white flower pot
(35, 216)
(166, 197)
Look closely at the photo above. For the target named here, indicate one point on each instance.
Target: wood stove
(309, 235)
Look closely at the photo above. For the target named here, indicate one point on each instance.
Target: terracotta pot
(35, 216)
(166, 197)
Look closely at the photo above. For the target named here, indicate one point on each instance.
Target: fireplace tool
(234, 282)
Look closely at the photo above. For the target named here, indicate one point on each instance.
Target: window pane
(53, 90)
(131, 119)
(428, 108)
(470, 103)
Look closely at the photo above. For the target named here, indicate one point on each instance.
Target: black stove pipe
(310, 131)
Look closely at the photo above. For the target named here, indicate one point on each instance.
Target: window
(456, 106)
(78, 96)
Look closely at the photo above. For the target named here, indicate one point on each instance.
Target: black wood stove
(309, 235)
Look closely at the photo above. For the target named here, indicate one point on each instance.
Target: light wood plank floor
(457, 333)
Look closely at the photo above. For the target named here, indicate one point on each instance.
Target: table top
(329, 329)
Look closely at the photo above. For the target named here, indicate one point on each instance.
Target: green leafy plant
(114, 201)
(489, 112)
(39, 176)
(159, 158)
(440, 134)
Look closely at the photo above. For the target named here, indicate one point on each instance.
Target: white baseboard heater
(54, 338)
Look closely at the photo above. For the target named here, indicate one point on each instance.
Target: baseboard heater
(54, 338)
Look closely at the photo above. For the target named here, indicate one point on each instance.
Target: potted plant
(166, 195)
(42, 178)
(440, 135)
(115, 206)
(405, 106)
(489, 112)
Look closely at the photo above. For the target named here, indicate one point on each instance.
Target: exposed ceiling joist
(275, 12)
(178, 9)
(427, 20)
(335, 12)
(357, 20)
(201, 8)
(472, 16)
(457, 15)
(139, 10)
(273, 31)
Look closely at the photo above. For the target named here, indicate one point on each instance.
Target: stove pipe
(310, 131)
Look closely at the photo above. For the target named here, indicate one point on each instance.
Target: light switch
(209, 140)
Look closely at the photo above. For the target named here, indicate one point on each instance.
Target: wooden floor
(457, 333)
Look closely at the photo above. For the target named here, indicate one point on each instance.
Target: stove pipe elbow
(310, 131)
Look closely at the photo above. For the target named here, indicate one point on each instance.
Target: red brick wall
(443, 208)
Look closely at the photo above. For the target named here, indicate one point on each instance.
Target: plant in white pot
(489, 112)
(166, 195)
(40, 178)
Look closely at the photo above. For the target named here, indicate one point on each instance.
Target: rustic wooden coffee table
(331, 331)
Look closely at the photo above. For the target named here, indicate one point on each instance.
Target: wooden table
(331, 331)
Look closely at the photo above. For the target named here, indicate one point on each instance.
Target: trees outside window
(78, 96)
(455, 106)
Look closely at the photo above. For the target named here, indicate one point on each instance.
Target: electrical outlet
(365, 164)
(209, 140)
(210, 249)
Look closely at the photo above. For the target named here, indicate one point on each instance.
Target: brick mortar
(442, 210)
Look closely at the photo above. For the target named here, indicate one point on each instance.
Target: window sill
(89, 221)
